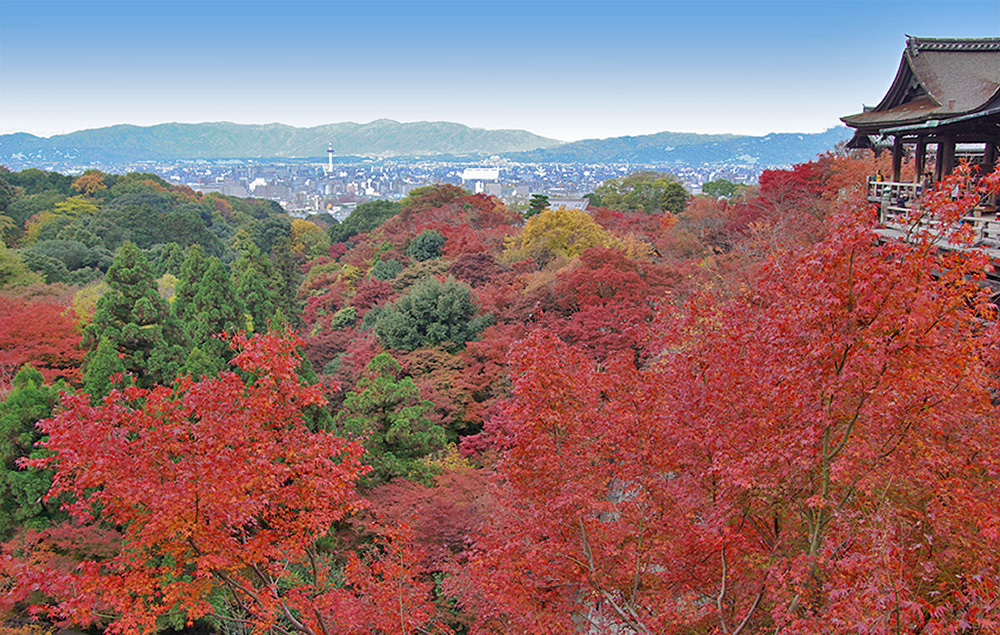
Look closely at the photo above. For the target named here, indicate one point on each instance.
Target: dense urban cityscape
(303, 188)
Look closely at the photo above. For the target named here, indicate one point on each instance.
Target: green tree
(253, 277)
(674, 198)
(200, 364)
(137, 321)
(538, 204)
(192, 271)
(386, 412)
(215, 308)
(6, 195)
(21, 490)
(51, 268)
(268, 231)
(432, 313)
(171, 259)
(365, 217)
(105, 362)
(35, 181)
(426, 246)
(647, 191)
(386, 269)
(13, 271)
(287, 278)
(719, 188)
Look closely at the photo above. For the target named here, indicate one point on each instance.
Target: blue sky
(562, 69)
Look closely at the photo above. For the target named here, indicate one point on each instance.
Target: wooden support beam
(949, 155)
(897, 158)
(919, 158)
(990, 164)
(938, 160)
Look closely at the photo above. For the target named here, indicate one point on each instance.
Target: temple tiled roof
(938, 79)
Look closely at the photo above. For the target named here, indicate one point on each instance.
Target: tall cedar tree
(137, 321)
(288, 277)
(104, 369)
(253, 277)
(188, 281)
(214, 309)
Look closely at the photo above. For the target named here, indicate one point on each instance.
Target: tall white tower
(329, 159)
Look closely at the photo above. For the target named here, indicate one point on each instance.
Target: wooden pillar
(897, 158)
(990, 164)
(919, 158)
(947, 147)
(990, 157)
(938, 159)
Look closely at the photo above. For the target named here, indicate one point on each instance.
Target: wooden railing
(899, 212)
(986, 229)
(895, 190)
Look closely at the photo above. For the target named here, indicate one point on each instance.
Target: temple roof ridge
(985, 44)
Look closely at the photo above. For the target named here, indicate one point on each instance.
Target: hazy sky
(563, 69)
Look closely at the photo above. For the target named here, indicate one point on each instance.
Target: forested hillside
(224, 140)
(717, 414)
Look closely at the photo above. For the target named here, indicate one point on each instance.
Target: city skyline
(564, 70)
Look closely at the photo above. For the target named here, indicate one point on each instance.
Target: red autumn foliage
(442, 378)
(42, 334)
(371, 293)
(602, 300)
(326, 345)
(442, 517)
(637, 223)
(360, 350)
(476, 269)
(214, 485)
(813, 454)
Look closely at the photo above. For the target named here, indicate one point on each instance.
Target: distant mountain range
(684, 148)
(223, 140)
(386, 138)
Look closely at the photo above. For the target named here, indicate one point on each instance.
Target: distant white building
(480, 174)
(569, 203)
(478, 179)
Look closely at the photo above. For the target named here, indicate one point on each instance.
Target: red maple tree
(40, 333)
(219, 492)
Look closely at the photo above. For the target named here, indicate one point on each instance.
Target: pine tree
(386, 411)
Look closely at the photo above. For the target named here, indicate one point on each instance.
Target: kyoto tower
(329, 159)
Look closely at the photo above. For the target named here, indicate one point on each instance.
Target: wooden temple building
(942, 107)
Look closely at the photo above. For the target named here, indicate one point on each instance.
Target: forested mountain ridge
(224, 140)
(386, 138)
(692, 149)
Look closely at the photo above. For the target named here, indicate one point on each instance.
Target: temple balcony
(900, 218)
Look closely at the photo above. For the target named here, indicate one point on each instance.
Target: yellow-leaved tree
(556, 232)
